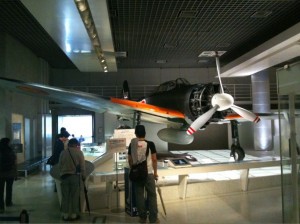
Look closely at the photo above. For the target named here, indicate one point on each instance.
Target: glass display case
(92, 151)
(288, 81)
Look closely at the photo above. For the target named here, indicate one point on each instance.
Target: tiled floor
(35, 194)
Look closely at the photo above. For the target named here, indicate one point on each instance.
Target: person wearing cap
(72, 170)
(139, 150)
(63, 130)
(59, 145)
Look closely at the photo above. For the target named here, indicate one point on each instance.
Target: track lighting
(86, 16)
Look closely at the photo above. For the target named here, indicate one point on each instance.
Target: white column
(263, 138)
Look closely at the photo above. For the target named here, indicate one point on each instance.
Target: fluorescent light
(81, 6)
(86, 16)
(68, 47)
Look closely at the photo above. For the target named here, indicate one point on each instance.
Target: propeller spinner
(221, 101)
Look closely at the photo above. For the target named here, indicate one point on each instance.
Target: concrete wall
(18, 62)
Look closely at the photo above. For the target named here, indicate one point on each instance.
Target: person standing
(72, 170)
(60, 145)
(62, 131)
(81, 139)
(138, 151)
(8, 173)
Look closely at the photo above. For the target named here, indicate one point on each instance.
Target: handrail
(240, 92)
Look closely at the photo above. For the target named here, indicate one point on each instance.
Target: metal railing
(240, 92)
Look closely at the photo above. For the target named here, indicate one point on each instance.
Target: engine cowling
(200, 101)
(192, 100)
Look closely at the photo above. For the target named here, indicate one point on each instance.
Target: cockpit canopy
(167, 86)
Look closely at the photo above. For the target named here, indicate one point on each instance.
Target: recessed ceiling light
(85, 51)
(261, 14)
(190, 14)
(203, 61)
(121, 54)
(224, 44)
(211, 53)
(161, 61)
(170, 45)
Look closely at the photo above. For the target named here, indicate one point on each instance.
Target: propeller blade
(248, 115)
(219, 71)
(201, 120)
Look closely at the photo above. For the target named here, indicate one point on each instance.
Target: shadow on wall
(215, 136)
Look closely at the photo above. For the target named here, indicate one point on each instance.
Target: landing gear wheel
(237, 153)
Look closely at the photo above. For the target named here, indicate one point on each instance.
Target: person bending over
(72, 172)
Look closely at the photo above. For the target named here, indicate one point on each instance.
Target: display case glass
(288, 81)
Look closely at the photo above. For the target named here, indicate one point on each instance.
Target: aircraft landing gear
(237, 152)
(136, 118)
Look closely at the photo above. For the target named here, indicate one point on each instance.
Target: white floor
(36, 194)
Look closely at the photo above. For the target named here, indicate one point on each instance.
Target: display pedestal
(117, 209)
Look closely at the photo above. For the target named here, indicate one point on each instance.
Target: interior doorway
(77, 125)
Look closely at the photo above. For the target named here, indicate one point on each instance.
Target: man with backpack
(139, 150)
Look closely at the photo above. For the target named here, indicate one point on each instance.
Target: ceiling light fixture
(161, 61)
(261, 14)
(87, 19)
(210, 53)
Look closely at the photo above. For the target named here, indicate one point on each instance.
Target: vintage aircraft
(184, 107)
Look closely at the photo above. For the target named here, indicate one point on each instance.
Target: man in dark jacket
(8, 172)
(59, 145)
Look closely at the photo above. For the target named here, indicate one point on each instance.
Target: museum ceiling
(159, 33)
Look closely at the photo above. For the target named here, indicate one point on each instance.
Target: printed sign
(125, 133)
(115, 145)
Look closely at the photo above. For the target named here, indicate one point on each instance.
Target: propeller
(221, 101)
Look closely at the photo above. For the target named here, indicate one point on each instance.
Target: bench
(31, 164)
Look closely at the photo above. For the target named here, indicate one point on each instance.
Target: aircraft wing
(93, 102)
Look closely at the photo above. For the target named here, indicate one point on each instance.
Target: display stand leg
(117, 209)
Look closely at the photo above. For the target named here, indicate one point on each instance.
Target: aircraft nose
(223, 100)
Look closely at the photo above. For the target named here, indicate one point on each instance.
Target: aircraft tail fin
(126, 91)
